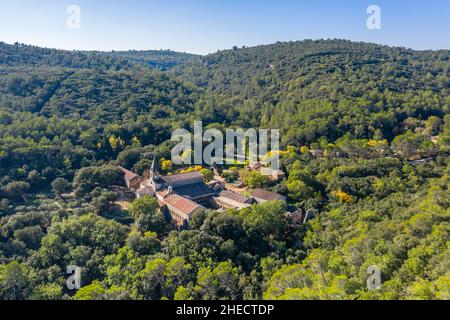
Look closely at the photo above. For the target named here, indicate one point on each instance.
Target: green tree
(59, 186)
(207, 174)
(94, 291)
(254, 179)
(14, 281)
(151, 280)
(145, 212)
(221, 282)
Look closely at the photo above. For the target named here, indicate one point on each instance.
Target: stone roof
(193, 191)
(266, 195)
(146, 191)
(128, 174)
(146, 183)
(270, 171)
(181, 177)
(181, 203)
(230, 203)
(256, 166)
(235, 196)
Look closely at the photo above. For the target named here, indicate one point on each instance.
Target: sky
(205, 26)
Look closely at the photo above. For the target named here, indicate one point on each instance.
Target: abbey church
(180, 194)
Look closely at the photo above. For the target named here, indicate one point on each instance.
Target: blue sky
(205, 26)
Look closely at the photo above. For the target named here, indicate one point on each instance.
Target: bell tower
(154, 175)
(154, 171)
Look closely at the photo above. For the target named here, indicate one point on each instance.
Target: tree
(34, 178)
(298, 190)
(14, 281)
(16, 189)
(177, 274)
(122, 270)
(145, 212)
(443, 287)
(101, 204)
(254, 179)
(422, 290)
(225, 224)
(142, 166)
(48, 291)
(151, 280)
(94, 291)
(59, 186)
(342, 196)
(144, 244)
(166, 165)
(129, 157)
(116, 142)
(264, 224)
(182, 294)
(295, 282)
(31, 236)
(207, 174)
(198, 248)
(407, 145)
(89, 178)
(304, 150)
(433, 125)
(221, 282)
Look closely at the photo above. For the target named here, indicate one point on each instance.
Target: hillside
(163, 60)
(365, 148)
(21, 55)
(326, 88)
(89, 97)
(249, 70)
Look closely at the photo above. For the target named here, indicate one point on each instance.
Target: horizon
(226, 49)
(203, 27)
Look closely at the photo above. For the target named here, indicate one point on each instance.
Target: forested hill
(21, 55)
(365, 146)
(26, 55)
(157, 59)
(326, 88)
(98, 86)
(50, 98)
(250, 70)
(311, 90)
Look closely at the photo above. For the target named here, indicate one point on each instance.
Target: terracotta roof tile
(128, 174)
(183, 204)
(235, 196)
(182, 177)
(266, 195)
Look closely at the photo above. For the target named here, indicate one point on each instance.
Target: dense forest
(162, 60)
(365, 144)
